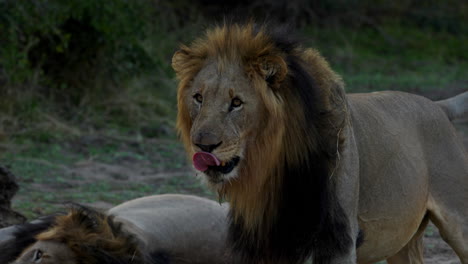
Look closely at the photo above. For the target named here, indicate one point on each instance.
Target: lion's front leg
(347, 190)
(346, 178)
(349, 258)
(330, 255)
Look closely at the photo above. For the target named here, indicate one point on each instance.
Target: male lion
(159, 229)
(305, 167)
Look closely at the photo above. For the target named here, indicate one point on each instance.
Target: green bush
(103, 63)
(71, 44)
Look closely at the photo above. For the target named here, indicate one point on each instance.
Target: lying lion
(309, 171)
(160, 229)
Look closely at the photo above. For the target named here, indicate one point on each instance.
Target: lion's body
(308, 167)
(411, 163)
(160, 229)
(189, 229)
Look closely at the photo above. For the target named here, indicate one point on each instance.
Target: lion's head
(81, 236)
(225, 102)
(232, 115)
(47, 252)
(256, 112)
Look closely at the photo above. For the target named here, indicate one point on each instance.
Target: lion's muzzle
(203, 160)
(212, 167)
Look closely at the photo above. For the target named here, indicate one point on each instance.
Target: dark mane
(319, 230)
(100, 239)
(23, 237)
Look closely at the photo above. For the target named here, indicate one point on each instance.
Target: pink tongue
(201, 160)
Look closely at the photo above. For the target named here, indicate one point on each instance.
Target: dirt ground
(134, 169)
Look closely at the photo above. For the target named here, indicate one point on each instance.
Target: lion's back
(404, 132)
(397, 119)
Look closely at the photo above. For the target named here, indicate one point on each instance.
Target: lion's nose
(208, 148)
(206, 142)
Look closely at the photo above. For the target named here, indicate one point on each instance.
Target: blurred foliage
(69, 62)
(85, 65)
(71, 41)
(428, 62)
(434, 14)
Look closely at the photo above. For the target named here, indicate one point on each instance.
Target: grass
(394, 58)
(52, 174)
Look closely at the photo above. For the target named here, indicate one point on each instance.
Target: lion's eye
(198, 97)
(38, 256)
(236, 102)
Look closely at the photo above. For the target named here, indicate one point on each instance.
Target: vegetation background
(87, 93)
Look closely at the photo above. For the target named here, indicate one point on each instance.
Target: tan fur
(455, 107)
(385, 146)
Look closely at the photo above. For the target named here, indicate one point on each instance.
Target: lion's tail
(455, 107)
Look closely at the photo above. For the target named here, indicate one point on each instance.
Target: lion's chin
(218, 175)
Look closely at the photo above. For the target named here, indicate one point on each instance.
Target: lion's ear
(274, 70)
(180, 58)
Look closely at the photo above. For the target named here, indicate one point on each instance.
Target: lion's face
(230, 111)
(225, 111)
(47, 252)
